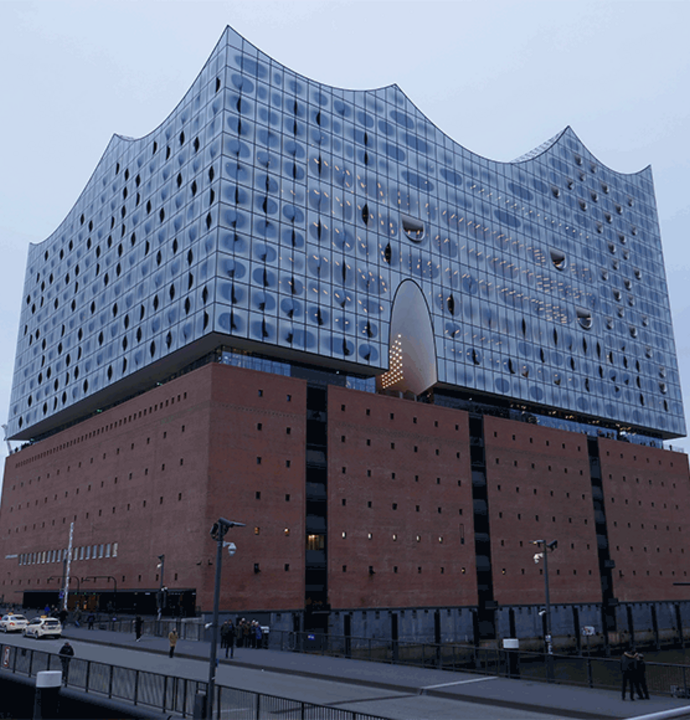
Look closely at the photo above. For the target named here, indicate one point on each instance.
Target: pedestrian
(239, 633)
(66, 654)
(63, 616)
(77, 617)
(227, 638)
(259, 635)
(231, 641)
(640, 677)
(628, 667)
(138, 626)
(90, 620)
(172, 639)
(46, 610)
(224, 636)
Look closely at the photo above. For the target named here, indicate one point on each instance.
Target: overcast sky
(498, 77)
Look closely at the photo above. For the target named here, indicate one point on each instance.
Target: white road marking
(459, 682)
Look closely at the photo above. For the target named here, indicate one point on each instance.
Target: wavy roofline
(117, 138)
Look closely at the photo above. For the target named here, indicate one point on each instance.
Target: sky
(498, 77)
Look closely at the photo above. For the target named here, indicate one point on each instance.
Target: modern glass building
(395, 361)
(276, 216)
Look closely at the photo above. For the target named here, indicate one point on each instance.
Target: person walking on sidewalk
(172, 639)
(66, 654)
(628, 667)
(138, 626)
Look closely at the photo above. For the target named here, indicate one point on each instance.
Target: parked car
(13, 623)
(43, 627)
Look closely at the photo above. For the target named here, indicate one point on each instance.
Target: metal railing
(187, 630)
(595, 672)
(167, 693)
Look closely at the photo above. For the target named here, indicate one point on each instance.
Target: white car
(13, 623)
(43, 627)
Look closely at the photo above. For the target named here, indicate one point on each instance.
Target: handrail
(168, 693)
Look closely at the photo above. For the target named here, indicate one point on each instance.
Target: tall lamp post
(218, 532)
(546, 548)
(161, 567)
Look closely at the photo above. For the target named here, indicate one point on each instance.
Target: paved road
(399, 693)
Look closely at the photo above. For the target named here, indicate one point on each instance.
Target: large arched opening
(412, 367)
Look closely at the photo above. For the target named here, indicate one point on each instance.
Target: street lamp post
(161, 567)
(218, 532)
(546, 548)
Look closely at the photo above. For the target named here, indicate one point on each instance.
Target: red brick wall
(123, 476)
(153, 474)
(647, 496)
(257, 429)
(402, 469)
(540, 488)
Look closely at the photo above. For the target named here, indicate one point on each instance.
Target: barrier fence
(187, 630)
(595, 672)
(167, 693)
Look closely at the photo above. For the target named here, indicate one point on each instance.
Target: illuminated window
(316, 542)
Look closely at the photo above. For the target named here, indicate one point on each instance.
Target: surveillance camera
(542, 613)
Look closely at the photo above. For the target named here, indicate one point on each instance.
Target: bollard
(199, 706)
(511, 647)
(48, 683)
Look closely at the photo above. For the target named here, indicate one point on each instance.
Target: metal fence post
(685, 682)
(165, 690)
(110, 682)
(88, 675)
(136, 686)
(258, 706)
(590, 679)
(31, 661)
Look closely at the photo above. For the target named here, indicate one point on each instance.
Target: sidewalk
(488, 691)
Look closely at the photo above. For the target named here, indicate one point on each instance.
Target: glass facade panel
(284, 214)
